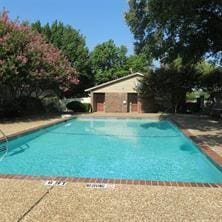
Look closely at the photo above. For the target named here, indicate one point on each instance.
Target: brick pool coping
(112, 181)
(212, 155)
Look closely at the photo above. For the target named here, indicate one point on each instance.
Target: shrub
(21, 106)
(10, 109)
(31, 105)
(76, 106)
(53, 105)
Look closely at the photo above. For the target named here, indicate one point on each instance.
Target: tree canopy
(168, 29)
(211, 82)
(110, 62)
(106, 61)
(29, 65)
(169, 85)
(138, 63)
(73, 46)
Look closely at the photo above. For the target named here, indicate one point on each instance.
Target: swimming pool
(138, 149)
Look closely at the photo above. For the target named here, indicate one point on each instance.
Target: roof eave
(113, 81)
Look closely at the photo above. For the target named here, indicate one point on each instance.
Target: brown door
(100, 99)
(132, 102)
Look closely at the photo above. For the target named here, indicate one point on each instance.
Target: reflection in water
(118, 129)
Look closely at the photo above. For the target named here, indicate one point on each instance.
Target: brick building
(119, 95)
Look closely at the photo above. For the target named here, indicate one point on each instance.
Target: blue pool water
(110, 148)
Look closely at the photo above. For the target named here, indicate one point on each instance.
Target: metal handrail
(6, 146)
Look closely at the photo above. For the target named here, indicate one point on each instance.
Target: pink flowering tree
(29, 66)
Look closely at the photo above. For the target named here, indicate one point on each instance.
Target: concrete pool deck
(23, 200)
(31, 200)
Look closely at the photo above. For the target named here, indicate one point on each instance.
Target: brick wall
(114, 102)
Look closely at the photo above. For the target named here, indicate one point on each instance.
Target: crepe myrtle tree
(73, 45)
(29, 66)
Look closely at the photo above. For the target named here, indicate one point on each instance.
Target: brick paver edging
(203, 147)
(112, 181)
(211, 154)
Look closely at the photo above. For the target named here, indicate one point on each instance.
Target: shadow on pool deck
(203, 128)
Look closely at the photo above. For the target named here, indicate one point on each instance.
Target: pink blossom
(22, 59)
(47, 62)
(4, 16)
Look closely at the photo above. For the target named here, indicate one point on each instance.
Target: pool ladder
(4, 147)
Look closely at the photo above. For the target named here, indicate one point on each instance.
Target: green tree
(169, 85)
(138, 63)
(73, 46)
(204, 67)
(108, 61)
(211, 82)
(168, 29)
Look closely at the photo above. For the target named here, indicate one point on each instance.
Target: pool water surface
(138, 149)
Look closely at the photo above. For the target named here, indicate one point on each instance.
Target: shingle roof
(114, 81)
